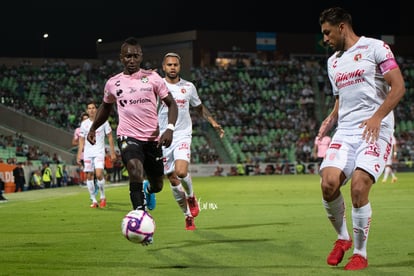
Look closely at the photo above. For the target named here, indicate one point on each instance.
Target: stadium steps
(217, 142)
(35, 132)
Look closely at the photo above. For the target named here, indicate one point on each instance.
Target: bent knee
(156, 185)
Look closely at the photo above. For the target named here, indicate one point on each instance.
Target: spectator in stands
(94, 154)
(269, 169)
(19, 178)
(367, 84)
(177, 156)
(139, 138)
(257, 170)
(56, 158)
(219, 171)
(233, 171)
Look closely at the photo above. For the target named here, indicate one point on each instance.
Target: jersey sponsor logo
(139, 101)
(349, 78)
(181, 103)
(123, 103)
(349, 75)
(132, 90)
(373, 149)
(335, 146)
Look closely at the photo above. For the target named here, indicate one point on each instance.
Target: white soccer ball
(138, 226)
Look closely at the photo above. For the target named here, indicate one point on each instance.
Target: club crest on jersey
(357, 57)
(183, 90)
(144, 80)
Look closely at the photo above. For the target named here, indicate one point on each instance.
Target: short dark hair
(334, 16)
(83, 115)
(91, 101)
(131, 41)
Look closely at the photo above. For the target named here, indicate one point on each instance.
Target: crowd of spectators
(13, 147)
(268, 107)
(270, 110)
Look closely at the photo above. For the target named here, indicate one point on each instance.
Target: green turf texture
(256, 225)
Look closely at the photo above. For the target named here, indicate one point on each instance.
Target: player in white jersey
(136, 93)
(75, 142)
(177, 157)
(392, 156)
(367, 84)
(93, 155)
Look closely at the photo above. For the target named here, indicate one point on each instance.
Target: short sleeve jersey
(357, 79)
(98, 149)
(185, 95)
(137, 98)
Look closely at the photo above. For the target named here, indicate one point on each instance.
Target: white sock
(361, 222)
(179, 195)
(336, 214)
(101, 186)
(187, 183)
(386, 173)
(91, 188)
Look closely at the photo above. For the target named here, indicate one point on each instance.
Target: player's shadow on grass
(211, 237)
(242, 226)
(114, 206)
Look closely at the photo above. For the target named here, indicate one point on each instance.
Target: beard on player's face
(173, 76)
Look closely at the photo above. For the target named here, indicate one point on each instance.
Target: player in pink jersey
(136, 93)
(367, 84)
(177, 157)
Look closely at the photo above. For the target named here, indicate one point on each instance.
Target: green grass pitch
(256, 225)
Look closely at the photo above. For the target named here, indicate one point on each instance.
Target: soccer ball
(138, 226)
